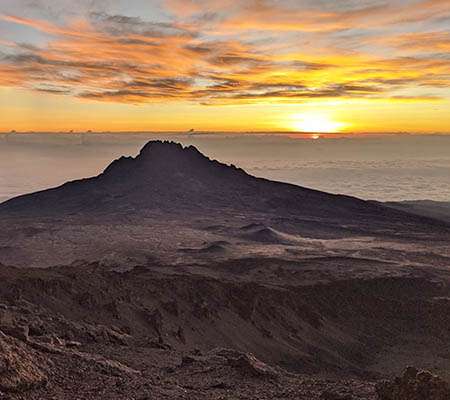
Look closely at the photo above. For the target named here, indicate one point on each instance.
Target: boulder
(246, 363)
(414, 385)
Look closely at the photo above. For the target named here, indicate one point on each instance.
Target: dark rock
(247, 363)
(188, 360)
(332, 395)
(219, 385)
(36, 328)
(414, 385)
(16, 331)
(158, 344)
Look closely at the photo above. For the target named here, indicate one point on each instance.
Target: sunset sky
(225, 65)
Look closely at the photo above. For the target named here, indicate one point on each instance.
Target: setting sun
(315, 122)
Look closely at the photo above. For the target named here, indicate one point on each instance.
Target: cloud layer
(389, 167)
(229, 51)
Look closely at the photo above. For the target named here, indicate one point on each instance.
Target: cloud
(120, 25)
(63, 8)
(422, 41)
(324, 16)
(227, 52)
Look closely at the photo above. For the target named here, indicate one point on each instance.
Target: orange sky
(226, 65)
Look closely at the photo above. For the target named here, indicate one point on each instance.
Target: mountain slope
(168, 177)
(434, 209)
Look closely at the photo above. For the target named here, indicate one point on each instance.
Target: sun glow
(315, 122)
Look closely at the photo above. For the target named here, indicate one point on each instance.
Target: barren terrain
(194, 280)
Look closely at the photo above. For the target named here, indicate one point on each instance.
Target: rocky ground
(167, 332)
(190, 279)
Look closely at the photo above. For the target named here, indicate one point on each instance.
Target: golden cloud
(209, 54)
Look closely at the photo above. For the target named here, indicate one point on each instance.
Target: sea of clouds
(382, 167)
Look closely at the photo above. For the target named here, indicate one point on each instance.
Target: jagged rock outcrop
(246, 363)
(414, 385)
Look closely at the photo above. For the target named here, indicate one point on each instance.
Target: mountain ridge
(168, 177)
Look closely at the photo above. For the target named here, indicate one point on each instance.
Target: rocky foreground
(46, 366)
(94, 332)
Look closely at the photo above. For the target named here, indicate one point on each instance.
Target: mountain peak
(164, 159)
(170, 152)
(173, 178)
(164, 174)
(164, 147)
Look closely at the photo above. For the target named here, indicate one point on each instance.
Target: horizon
(382, 167)
(261, 66)
(300, 134)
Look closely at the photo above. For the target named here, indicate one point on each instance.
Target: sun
(315, 122)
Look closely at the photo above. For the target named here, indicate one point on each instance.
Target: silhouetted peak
(163, 158)
(168, 150)
(160, 146)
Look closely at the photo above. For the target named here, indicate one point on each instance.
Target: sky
(225, 65)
